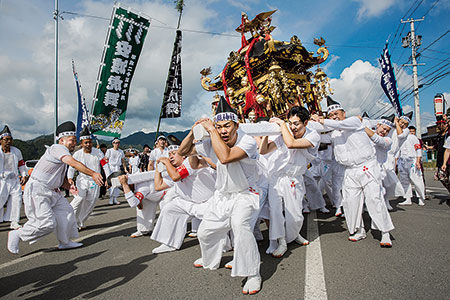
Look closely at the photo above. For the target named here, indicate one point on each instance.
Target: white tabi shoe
(13, 241)
(253, 285)
(421, 203)
(192, 234)
(359, 235)
(301, 240)
(163, 248)
(198, 263)
(69, 245)
(324, 210)
(306, 210)
(406, 202)
(229, 265)
(273, 245)
(15, 225)
(338, 212)
(385, 240)
(282, 248)
(136, 234)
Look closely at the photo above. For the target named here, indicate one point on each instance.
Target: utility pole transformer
(413, 41)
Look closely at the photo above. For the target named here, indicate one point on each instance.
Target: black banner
(173, 94)
(388, 82)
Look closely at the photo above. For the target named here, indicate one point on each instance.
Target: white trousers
(170, 228)
(145, 217)
(11, 195)
(235, 214)
(286, 193)
(314, 196)
(47, 211)
(363, 185)
(83, 204)
(407, 173)
(337, 178)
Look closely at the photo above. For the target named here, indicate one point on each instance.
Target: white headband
(406, 119)
(5, 134)
(334, 107)
(67, 133)
(85, 137)
(226, 116)
(386, 122)
(173, 148)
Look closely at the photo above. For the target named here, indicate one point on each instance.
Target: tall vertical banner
(83, 113)
(388, 81)
(126, 35)
(173, 93)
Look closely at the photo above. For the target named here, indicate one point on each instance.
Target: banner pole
(179, 7)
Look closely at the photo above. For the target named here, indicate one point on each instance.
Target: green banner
(126, 35)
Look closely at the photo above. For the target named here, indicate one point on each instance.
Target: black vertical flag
(388, 82)
(173, 93)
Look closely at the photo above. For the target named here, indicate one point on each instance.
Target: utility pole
(413, 41)
(56, 18)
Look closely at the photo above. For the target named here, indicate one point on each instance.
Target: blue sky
(355, 32)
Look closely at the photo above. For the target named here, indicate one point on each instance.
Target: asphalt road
(111, 265)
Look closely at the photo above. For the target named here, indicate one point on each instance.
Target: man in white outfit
(146, 199)
(159, 151)
(116, 158)
(287, 167)
(409, 168)
(193, 182)
(362, 181)
(83, 202)
(13, 175)
(46, 209)
(236, 197)
(382, 141)
(134, 162)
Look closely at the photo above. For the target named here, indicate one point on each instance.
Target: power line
(425, 49)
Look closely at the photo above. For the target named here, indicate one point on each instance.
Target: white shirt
(50, 170)
(411, 148)
(352, 146)
(134, 162)
(293, 162)
(447, 143)
(115, 158)
(90, 160)
(248, 167)
(157, 154)
(382, 146)
(196, 185)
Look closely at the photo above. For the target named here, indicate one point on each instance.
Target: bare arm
(266, 147)
(224, 153)
(159, 181)
(446, 156)
(171, 170)
(288, 138)
(124, 165)
(369, 132)
(68, 159)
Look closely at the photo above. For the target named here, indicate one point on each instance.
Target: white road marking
(21, 259)
(431, 188)
(315, 288)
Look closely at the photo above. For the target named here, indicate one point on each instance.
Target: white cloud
(28, 80)
(330, 63)
(373, 8)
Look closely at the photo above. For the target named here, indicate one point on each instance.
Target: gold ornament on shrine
(267, 77)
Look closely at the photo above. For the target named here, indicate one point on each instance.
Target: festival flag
(126, 35)
(388, 82)
(83, 113)
(171, 107)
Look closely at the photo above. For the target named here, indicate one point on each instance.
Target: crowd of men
(226, 182)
